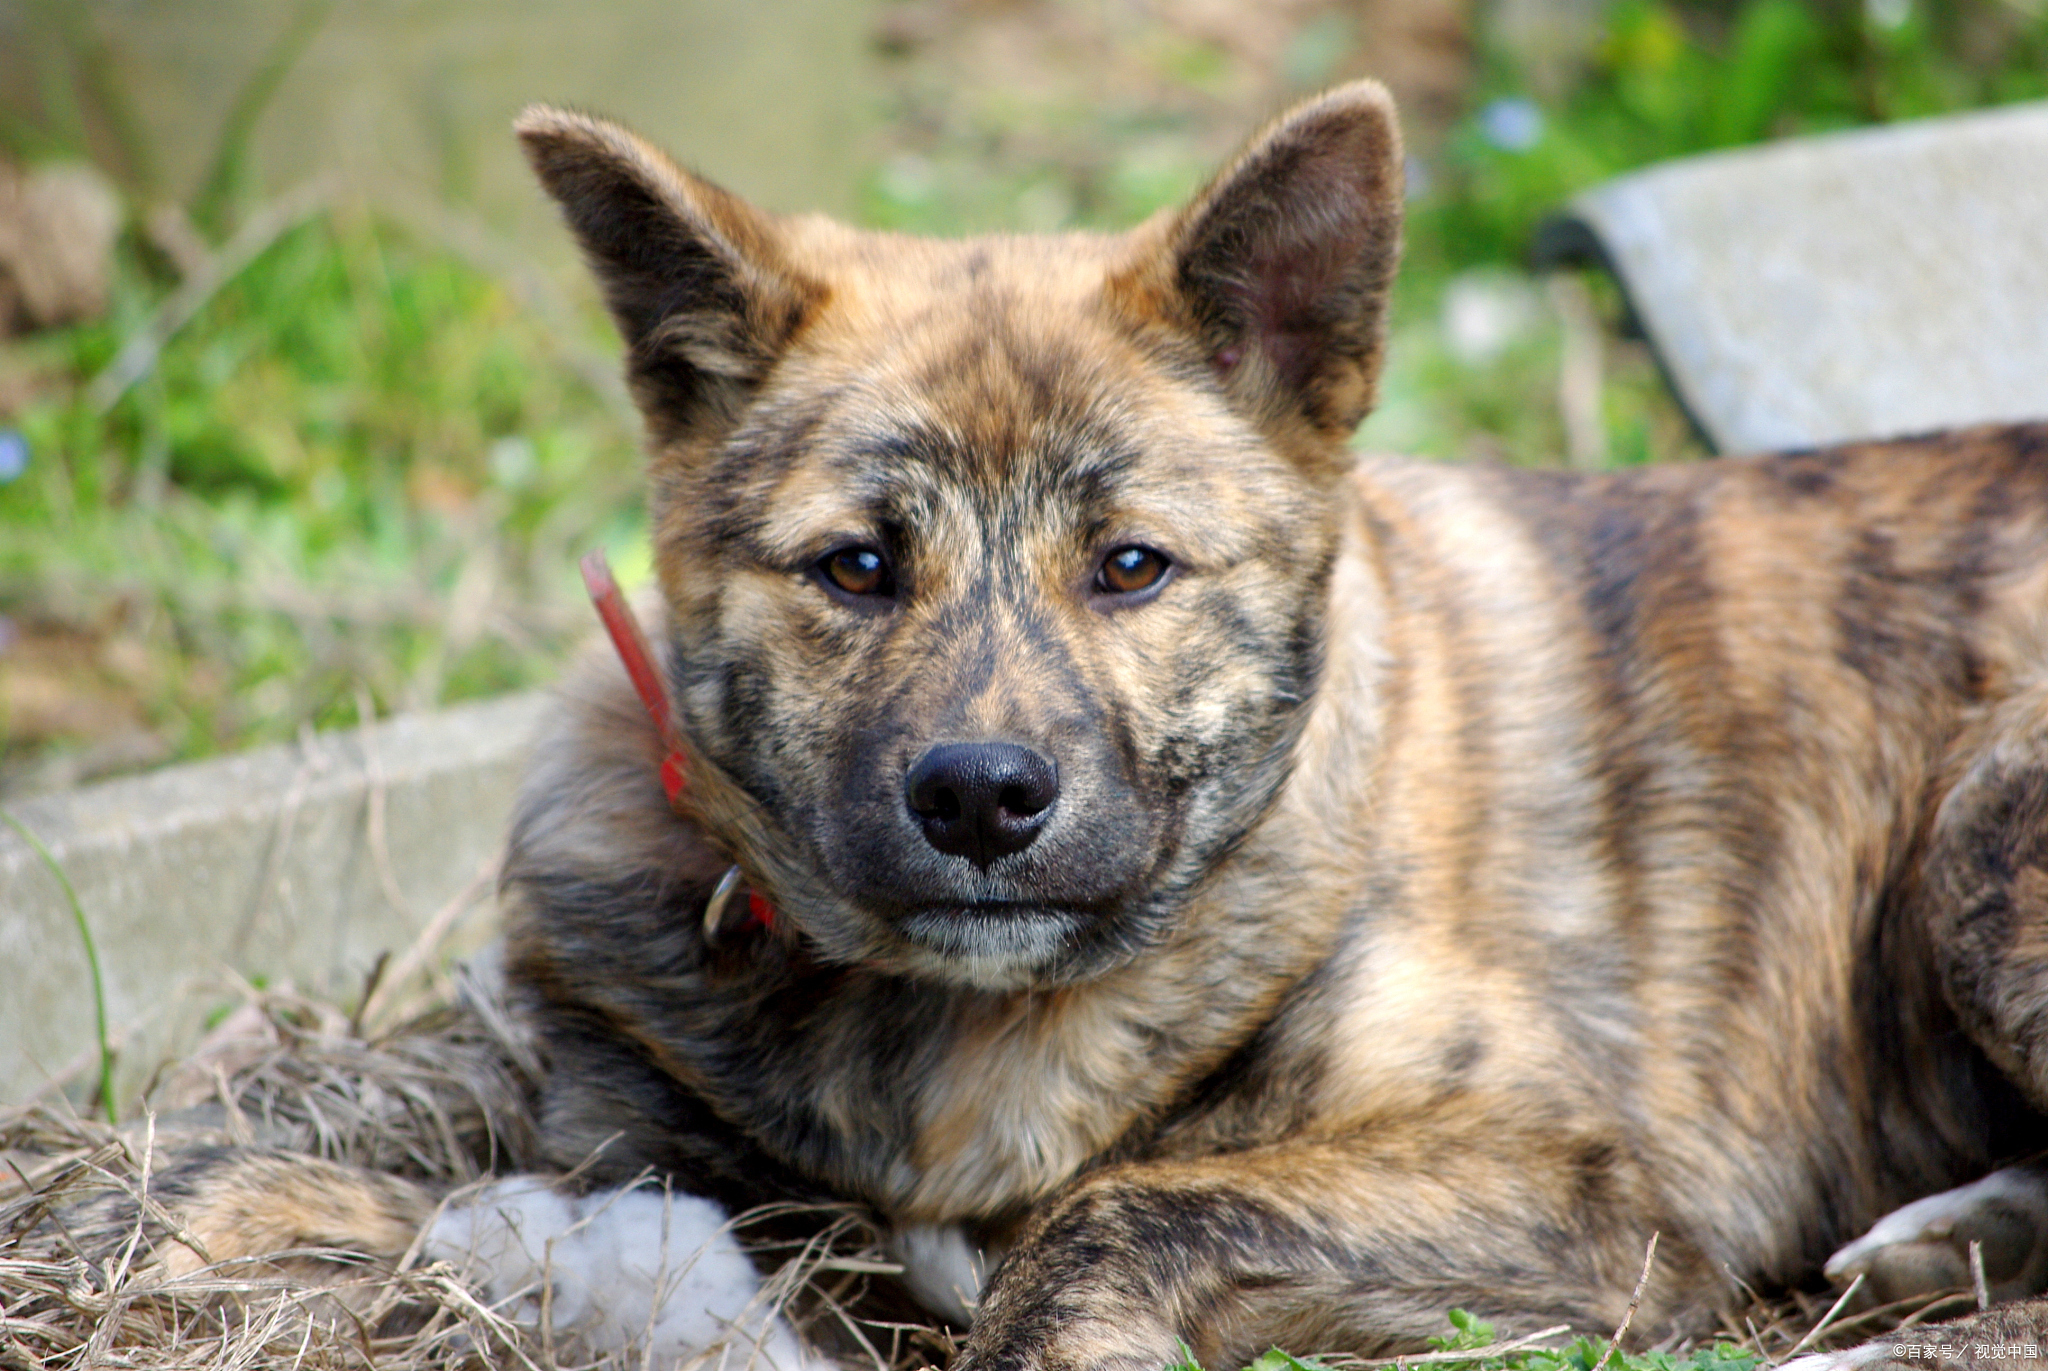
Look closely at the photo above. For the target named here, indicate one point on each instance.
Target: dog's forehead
(873, 276)
(1016, 325)
(1000, 355)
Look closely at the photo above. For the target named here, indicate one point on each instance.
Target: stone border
(1861, 284)
(302, 862)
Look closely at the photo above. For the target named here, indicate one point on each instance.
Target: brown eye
(858, 571)
(1128, 570)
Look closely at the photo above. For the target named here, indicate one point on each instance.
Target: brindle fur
(1458, 874)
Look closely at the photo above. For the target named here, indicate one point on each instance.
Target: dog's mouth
(1003, 939)
(996, 944)
(949, 923)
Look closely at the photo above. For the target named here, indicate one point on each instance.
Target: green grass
(92, 962)
(357, 479)
(1669, 80)
(1475, 1336)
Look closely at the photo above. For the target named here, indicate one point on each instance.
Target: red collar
(631, 645)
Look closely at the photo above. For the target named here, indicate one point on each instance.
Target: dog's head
(996, 567)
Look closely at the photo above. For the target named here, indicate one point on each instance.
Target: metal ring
(714, 908)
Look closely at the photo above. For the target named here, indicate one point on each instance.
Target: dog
(1212, 889)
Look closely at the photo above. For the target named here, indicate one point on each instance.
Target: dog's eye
(858, 571)
(1128, 570)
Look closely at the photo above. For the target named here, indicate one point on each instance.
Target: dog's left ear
(1281, 268)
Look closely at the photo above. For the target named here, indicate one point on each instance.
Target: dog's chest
(1022, 1092)
(1025, 1091)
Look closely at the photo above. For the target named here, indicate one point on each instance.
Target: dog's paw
(1924, 1248)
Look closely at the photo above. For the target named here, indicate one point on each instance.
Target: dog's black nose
(981, 801)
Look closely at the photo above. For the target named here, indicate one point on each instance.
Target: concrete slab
(303, 862)
(1856, 285)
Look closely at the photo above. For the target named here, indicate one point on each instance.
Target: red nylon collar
(631, 644)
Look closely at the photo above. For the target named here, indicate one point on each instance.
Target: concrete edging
(303, 861)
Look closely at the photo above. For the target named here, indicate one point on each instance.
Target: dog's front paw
(1924, 1248)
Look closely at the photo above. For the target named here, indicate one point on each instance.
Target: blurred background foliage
(327, 452)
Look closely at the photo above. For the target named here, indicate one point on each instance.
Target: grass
(92, 962)
(1668, 80)
(1470, 1346)
(355, 482)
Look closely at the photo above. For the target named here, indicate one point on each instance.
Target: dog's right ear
(696, 278)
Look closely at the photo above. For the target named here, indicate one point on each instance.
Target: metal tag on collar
(714, 908)
(760, 914)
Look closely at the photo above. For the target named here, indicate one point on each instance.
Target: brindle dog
(1258, 893)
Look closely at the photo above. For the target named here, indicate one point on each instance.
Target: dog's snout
(981, 801)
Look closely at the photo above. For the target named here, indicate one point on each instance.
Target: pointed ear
(696, 278)
(1281, 268)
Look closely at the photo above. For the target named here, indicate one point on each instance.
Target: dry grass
(446, 1099)
(1777, 1328)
